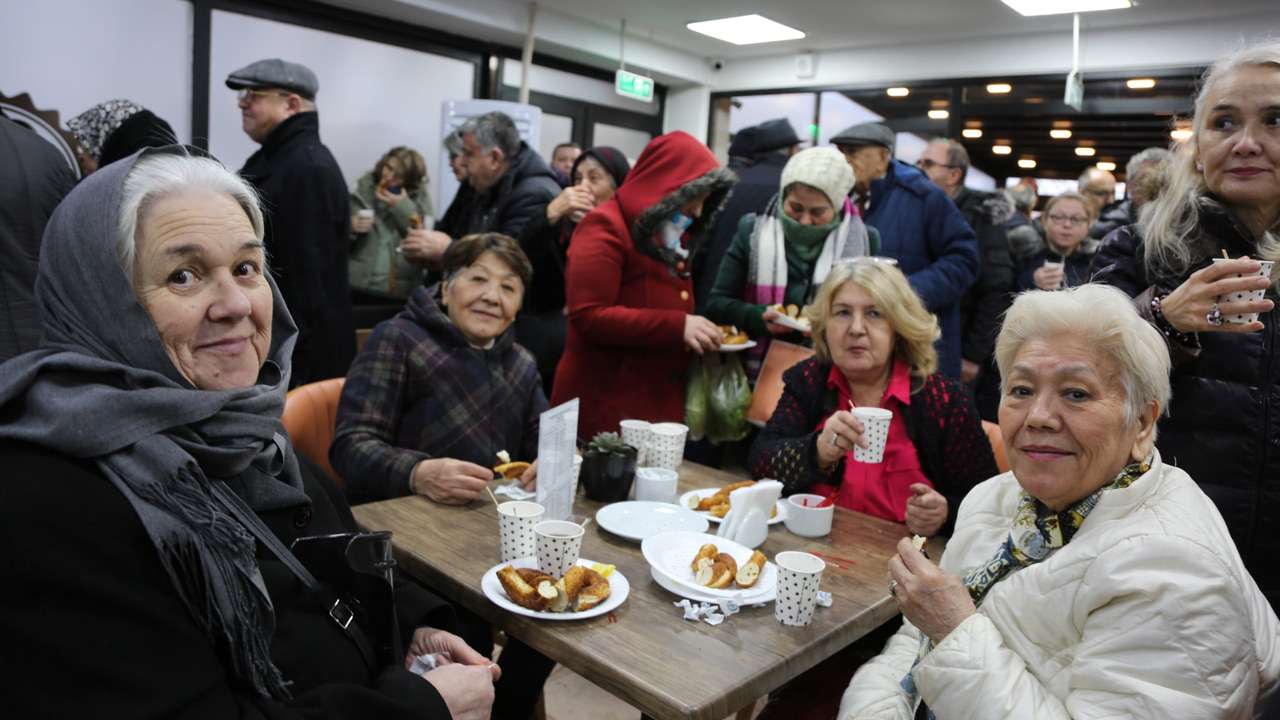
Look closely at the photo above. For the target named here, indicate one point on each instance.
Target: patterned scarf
(1037, 533)
(93, 126)
(767, 267)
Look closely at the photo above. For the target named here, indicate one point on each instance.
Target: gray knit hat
(823, 168)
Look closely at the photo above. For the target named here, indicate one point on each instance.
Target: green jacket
(727, 305)
(373, 254)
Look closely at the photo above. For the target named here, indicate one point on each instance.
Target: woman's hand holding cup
(840, 435)
(1188, 308)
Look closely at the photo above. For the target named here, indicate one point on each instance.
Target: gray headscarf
(93, 126)
(101, 386)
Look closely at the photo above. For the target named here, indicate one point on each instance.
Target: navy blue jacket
(937, 250)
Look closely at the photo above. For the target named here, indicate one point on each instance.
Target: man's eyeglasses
(1068, 219)
(1104, 194)
(926, 164)
(255, 94)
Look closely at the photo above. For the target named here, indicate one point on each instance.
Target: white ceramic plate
(789, 322)
(675, 588)
(671, 554)
(638, 519)
(738, 348)
(708, 492)
(619, 589)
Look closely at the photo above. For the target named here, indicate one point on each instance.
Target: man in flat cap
(304, 198)
(919, 227)
(773, 142)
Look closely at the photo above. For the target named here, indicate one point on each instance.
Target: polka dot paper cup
(559, 543)
(636, 434)
(516, 520)
(799, 575)
(1246, 295)
(666, 445)
(875, 426)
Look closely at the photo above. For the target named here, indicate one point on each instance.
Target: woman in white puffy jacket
(1092, 580)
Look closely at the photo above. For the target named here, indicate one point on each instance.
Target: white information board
(556, 437)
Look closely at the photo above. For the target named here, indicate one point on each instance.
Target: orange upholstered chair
(997, 444)
(310, 412)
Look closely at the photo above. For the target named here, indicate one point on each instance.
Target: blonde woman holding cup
(874, 344)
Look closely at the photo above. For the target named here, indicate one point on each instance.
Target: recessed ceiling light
(1001, 149)
(1085, 151)
(1108, 166)
(746, 30)
(1180, 134)
(1059, 134)
(898, 92)
(997, 88)
(1141, 84)
(939, 114)
(1058, 7)
(972, 132)
(1026, 163)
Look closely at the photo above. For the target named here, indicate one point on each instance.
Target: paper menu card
(557, 437)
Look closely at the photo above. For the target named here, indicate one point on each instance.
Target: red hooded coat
(628, 296)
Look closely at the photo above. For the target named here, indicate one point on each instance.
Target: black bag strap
(336, 608)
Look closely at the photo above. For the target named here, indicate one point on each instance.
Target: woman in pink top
(874, 344)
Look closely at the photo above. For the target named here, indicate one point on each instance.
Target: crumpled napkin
(515, 491)
(706, 611)
(824, 598)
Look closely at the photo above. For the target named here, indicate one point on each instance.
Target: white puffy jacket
(1147, 613)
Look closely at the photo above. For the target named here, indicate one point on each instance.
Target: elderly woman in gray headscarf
(1092, 580)
(144, 455)
(116, 129)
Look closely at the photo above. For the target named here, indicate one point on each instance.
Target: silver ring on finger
(893, 588)
(1214, 318)
(833, 439)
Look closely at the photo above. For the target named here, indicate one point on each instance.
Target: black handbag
(358, 565)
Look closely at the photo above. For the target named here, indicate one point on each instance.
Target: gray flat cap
(276, 73)
(865, 134)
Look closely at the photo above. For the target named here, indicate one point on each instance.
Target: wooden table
(652, 658)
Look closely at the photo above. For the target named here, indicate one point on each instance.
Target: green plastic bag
(729, 399)
(695, 401)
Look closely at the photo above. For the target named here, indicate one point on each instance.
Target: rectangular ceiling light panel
(1058, 7)
(746, 30)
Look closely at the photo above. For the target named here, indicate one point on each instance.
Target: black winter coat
(522, 192)
(92, 625)
(1223, 425)
(308, 218)
(984, 303)
(33, 180)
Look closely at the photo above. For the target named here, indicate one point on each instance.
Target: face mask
(672, 228)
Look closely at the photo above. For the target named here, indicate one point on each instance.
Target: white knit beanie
(825, 169)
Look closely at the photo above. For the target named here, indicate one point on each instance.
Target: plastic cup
(657, 485)
(365, 214)
(875, 425)
(559, 543)
(636, 434)
(1246, 295)
(666, 445)
(799, 575)
(805, 519)
(516, 520)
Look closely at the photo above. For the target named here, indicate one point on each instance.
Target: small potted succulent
(608, 468)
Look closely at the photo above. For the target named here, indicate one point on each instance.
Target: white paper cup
(657, 485)
(875, 426)
(1246, 295)
(516, 520)
(799, 575)
(636, 434)
(666, 445)
(806, 520)
(1059, 266)
(365, 214)
(559, 543)
(577, 470)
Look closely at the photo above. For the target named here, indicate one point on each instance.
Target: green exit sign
(633, 86)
